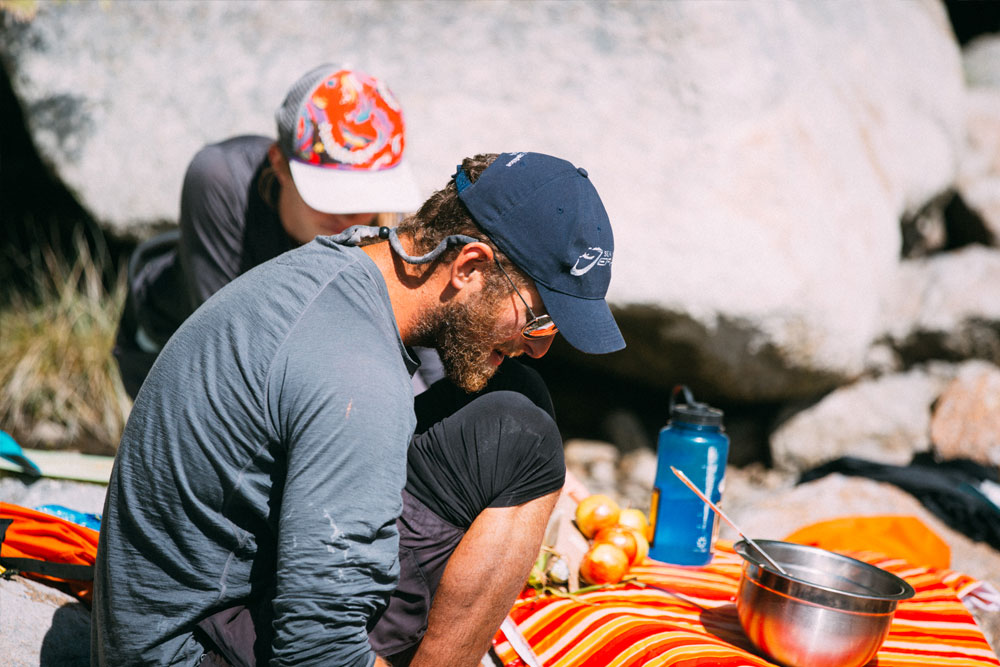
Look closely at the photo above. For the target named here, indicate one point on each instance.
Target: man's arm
(211, 241)
(341, 415)
(499, 548)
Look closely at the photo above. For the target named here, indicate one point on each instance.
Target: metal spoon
(690, 485)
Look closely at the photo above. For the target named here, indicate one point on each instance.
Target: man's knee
(524, 440)
(515, 414)
(498, 450)
(507, 404)
(517, 377)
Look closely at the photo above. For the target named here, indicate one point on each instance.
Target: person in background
(258, 503)
(338, 161)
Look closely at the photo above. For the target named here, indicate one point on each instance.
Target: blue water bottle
(694, 442)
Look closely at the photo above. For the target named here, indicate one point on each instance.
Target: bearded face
(465, 335)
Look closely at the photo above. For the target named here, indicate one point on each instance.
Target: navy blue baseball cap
(547, 217)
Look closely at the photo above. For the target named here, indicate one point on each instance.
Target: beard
(464, 336)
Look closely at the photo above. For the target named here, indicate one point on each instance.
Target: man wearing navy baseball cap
(279, 496)
(547, 217)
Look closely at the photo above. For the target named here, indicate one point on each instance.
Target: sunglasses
(539, 326)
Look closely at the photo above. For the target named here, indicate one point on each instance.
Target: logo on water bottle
(702, 543)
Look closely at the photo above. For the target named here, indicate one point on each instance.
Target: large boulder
(979, 174)
(981, 61)
(756, 158)
(884, 419)
(950, 408)
(946, 306)
(966, 420)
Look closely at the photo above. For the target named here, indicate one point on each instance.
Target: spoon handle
(690, 485)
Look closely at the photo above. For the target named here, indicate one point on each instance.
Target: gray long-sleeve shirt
(263, 459)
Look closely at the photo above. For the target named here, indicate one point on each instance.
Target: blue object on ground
(85, 519)
(11, 451)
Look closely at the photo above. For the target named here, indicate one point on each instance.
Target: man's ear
(469, 267)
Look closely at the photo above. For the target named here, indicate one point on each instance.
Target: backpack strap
(43, 567)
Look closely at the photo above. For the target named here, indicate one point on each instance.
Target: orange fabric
(686, 617)
(905, 537)
(41, 536)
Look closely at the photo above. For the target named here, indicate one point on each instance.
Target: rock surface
(966, 421)
(885, 419)
(756, 157)
(40, 625)
(891, 418)
(979, 175)
(981, 61)
(945, 307)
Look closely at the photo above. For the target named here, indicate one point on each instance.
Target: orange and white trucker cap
(343, 134)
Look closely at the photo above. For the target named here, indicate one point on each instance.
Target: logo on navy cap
(594, 256)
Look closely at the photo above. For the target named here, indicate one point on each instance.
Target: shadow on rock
(67, 643)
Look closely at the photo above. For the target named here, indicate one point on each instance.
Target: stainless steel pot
(829, 611)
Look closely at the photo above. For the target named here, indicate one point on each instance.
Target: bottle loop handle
(688, 396)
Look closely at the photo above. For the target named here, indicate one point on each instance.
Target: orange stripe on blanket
(686, 617)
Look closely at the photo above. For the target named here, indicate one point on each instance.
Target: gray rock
(636, 475)
(946, 306)
(773, 292)
(981, 61)
(626, 430)
(83, 497)
(745, 486)
(595, 464)
(756, 157)
(926, 232)
(588, 452)
(978, 179)
(884, 419)
(966, 419)
(42, 626)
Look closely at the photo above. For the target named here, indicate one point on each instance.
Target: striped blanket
(686, 617)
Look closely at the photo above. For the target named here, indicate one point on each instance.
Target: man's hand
(481, 581)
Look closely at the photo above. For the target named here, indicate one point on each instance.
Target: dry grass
(20, 10)
(59, 384)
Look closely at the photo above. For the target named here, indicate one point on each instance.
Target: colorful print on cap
(350, 121)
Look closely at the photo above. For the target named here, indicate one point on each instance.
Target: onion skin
(596, 512)
(604, 564)
(642, 546)
(634, 518)
(620, 536)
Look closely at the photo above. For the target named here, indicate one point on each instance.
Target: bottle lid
(692, 412)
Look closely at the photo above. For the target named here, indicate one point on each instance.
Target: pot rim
(748, 553)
